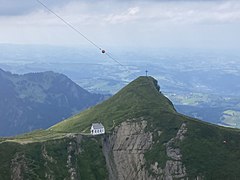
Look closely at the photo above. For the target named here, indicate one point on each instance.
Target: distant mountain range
(146, 138)
(39, 100)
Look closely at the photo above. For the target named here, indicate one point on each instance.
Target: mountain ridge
(148, 139)
(131, 100)
(39, 100)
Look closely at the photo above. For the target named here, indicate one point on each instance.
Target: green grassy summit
(135, 100)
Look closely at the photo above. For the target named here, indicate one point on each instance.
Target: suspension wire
(68, 24)
(110, 56)
(81, 34)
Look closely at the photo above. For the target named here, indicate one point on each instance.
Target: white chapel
(97, 128)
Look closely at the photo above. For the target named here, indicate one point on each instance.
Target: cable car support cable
(81, 34)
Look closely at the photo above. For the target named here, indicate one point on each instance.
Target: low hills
(146, 139)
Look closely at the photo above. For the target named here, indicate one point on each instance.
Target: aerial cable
(81, 34)
(110, 56)
(68, 24)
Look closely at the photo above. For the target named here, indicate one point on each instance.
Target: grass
(32, 160)
(135, 100)
(167, 124)
(89, 162)
(35, 136)
(211, 151)
(207, 150)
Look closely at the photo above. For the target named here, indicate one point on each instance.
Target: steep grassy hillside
(67, 158)
(146, 139)
(139, 98)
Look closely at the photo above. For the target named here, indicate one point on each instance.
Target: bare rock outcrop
(49, 174)
(129, 143)
(72, 169)
(174, 168)
(18, 165)
(125, 148)
(22, 167)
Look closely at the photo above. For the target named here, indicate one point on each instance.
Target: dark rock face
(39, 100)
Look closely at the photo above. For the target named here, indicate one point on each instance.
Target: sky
(208, 24)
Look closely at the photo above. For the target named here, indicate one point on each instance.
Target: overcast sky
(129, 23)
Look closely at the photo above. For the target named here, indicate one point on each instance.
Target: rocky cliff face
(74, 157)
(127, 146)
(23, 166)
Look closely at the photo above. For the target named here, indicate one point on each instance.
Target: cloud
(23, 7)
(16, 7)
(183, 11)
(149, 22)
(188, 12)
(133, 11)
(123, 17)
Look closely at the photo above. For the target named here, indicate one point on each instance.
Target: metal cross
(146, 72)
